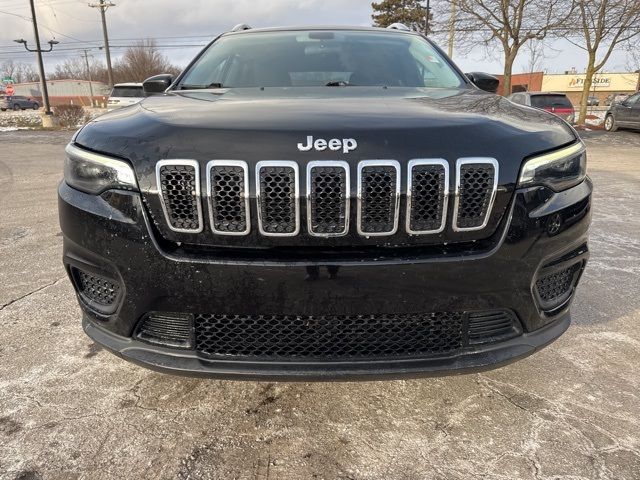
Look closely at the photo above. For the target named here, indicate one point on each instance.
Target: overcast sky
(181, 25)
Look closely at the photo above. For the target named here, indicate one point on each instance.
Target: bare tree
(142, 61)
(76, 68)
(509, 25)
(604, 25)
(18, 71)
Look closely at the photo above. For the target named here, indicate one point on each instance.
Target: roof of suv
(322, 27)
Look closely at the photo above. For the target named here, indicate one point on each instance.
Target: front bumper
(111, 236)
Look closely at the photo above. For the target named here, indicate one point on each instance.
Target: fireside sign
(598, 82)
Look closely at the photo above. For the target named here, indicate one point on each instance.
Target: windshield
(321, 58)
(127, 92)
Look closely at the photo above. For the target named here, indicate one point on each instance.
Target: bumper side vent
(179, 188)
(328, 198)
(476, 188)
(228, 197)
(492, 326)
(278, 213)
(97, 289)
(556, 288)
(167, 329)
(378, 195)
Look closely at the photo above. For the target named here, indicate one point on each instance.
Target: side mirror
(484, 81)
(157, 84)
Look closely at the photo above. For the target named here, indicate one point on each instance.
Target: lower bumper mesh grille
(327, 336)
(97, 289)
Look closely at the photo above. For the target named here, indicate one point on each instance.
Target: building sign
(598, 82)
(603, 82)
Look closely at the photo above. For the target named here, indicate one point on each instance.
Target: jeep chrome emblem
(346, 144)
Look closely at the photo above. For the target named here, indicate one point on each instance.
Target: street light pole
(43, 80)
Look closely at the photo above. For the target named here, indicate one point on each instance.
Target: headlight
(94, 173)
(557, 170)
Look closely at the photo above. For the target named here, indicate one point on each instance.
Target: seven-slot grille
(179, 187)
(278, 198)
(228, 189)
(477, 180)
(378, 197)
(427, 196)
(327, 196)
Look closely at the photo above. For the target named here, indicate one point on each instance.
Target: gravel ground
(69, 410)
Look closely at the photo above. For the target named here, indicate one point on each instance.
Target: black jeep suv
(315, 203)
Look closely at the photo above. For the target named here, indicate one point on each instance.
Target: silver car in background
(125, 94)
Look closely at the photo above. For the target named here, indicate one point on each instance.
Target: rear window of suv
(321, 58)
(549, 101)
(127, 92)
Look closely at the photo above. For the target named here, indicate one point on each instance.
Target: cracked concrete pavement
(70, 410)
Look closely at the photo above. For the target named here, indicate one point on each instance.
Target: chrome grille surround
(195, 194)
(262, 205)
(243, 194)
(443, 198)
(395, 196)
(312, 202)
(460, 163)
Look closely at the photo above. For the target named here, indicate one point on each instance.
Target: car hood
(254, 124)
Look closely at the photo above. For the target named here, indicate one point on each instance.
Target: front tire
(610, 124)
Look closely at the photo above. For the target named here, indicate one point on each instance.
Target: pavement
(70, 410)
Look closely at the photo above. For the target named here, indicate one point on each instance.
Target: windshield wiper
(337, 83)
(199, 87)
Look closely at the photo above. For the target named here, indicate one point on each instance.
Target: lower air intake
(556, 288)
(96, 289)
(492, 326)
(167, 329)
(329, 336)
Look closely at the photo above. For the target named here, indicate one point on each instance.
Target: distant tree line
(138, 63)
(508, 27)
(19, 72)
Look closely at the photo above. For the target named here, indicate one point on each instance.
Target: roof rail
(399, 26)
(240, 27)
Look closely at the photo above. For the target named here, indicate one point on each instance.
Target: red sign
(9, 90)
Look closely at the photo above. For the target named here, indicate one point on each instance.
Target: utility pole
(86, 59)
(452, 27)
(103, 5)
(39, 51)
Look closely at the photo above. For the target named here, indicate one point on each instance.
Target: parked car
(125, 94)
(625, 114)
(317, 203)
(614, 98)
(17, 102)
(556, 103)
(593, 102)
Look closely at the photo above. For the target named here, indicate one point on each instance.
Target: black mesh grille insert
(277, 199)
(328, 336)
(97, 289)
(228, 206)
(492, 326)
(171, 329)
(178, 189)
(328, 199)
(378, 197)
(556, 287)
(476, 188)
(427, 197)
